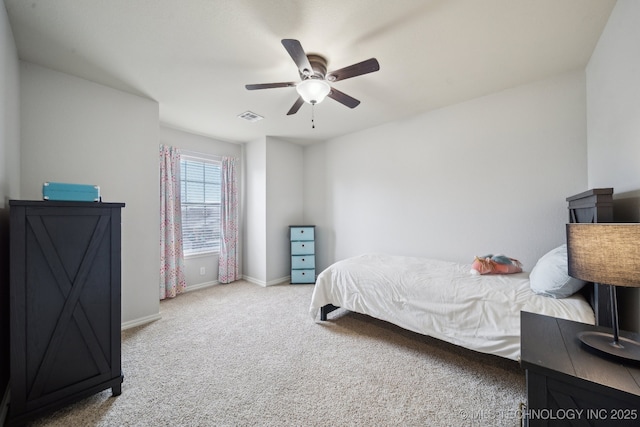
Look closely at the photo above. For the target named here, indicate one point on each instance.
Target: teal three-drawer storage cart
(303, 253)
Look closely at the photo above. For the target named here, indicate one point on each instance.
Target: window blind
(200, 201)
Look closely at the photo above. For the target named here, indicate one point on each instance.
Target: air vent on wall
(250, 116)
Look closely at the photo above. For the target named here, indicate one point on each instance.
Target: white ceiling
(195, 56)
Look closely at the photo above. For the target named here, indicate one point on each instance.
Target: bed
(443, 300)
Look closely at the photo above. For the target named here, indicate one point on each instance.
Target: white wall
(486, 176)
(613, 94)
(613, 105)
(200, 144)
(9, 183)
(274, 200)
(284, 204)
(255, 219)
(9, 114)
(74, 130)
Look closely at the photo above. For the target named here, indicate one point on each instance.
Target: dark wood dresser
(569, 384)
(64, 304)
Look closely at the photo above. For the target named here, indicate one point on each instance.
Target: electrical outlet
(202, 271)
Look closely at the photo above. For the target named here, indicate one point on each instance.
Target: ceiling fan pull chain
(313, 123)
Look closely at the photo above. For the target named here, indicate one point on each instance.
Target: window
(200, 198)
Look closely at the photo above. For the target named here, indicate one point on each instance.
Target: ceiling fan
(314, 85)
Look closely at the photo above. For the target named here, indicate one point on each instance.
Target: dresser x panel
(72, 307)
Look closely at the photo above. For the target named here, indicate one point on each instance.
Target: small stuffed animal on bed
(495, 264)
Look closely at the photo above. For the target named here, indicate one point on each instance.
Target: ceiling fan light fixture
(313, 91)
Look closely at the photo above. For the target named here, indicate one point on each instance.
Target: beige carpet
(243, 355)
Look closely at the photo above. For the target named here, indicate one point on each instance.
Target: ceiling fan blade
(343, 98)
(364, 67)
(298, 55)
(294, 109)
(269, 85)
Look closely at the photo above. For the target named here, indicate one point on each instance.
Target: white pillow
(550, 275)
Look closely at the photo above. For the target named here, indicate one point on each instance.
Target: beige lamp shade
(605, 253)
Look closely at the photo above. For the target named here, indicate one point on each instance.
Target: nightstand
(569, 384)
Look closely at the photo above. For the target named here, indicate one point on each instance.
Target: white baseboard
(279, 281)
(202, 286)
(140, 321)
(152, 318)
(269, 283)
(253, 280)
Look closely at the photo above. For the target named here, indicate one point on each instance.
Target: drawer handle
(302, 259)
(303, 245)
(303, 273)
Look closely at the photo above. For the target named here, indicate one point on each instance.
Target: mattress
(441, 299)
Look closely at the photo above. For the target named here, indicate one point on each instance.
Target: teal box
(70, 192)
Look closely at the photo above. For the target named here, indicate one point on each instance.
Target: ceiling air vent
(250, 117)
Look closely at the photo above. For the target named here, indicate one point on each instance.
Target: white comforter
(441, 299)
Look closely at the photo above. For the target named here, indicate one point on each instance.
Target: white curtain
(228, 264)
(172, 280)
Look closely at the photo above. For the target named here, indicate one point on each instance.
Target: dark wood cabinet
(64, 304)
(569, 384)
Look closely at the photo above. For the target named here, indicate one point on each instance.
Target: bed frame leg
(326, 310)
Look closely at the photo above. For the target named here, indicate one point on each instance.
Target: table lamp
(608, 254)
